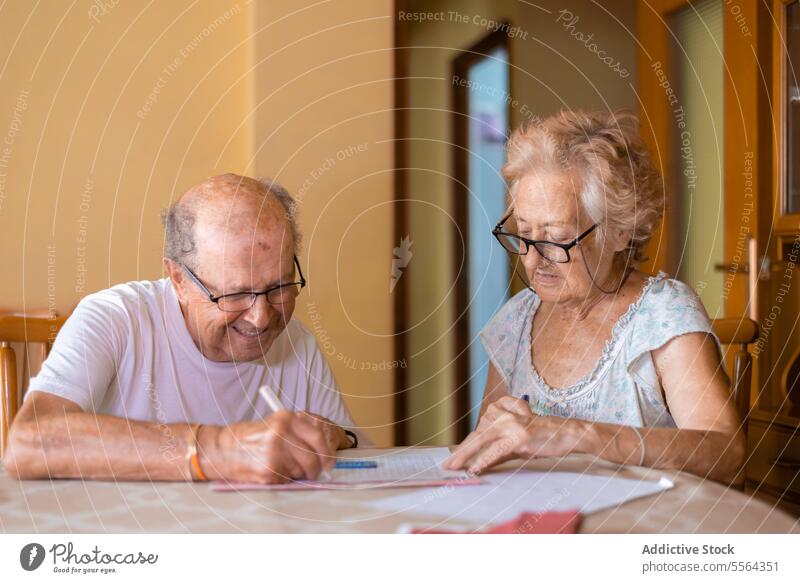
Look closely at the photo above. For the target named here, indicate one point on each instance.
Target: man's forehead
(258, 245)
(231, 272)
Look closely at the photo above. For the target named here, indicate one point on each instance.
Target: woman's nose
(531, 260)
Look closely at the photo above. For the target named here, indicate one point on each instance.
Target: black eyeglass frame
(498, 232)
(265, 293)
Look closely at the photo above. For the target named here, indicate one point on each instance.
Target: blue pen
(355, 465)
(526, 398)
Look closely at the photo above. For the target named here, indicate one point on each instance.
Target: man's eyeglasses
(239, 302)
(550, 250)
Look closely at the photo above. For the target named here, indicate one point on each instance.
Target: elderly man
(159, 380)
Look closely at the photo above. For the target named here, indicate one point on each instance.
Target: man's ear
(176, 275)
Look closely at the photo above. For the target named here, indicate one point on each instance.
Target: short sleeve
(502, 335)
(325, 398)
(85, 355)
(669, 309)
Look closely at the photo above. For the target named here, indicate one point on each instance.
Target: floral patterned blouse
(623, 388)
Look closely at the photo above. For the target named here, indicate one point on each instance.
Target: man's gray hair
(179, 221)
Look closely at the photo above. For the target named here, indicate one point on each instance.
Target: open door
(481, 101)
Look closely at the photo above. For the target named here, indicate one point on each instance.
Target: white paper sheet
(505, 495)
(415, 467)
(420, 464)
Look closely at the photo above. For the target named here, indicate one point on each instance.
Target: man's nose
(260, 313)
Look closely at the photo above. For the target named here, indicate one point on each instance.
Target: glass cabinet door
(777, 351)
(791, 96)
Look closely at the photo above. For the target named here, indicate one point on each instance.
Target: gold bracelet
(195, 471)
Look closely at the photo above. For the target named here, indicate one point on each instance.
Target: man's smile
(250, 333)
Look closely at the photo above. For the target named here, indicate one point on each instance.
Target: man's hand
(335, 435)
(284, 446)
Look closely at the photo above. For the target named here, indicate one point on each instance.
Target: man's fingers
(302, 453)
(297, 472)
(318, 443)
(329, 433)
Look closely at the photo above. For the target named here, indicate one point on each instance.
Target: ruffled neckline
(617, 332)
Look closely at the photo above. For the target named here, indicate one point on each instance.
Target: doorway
(481, 99)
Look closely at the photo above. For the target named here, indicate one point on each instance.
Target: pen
(355, 465)
(275, 404)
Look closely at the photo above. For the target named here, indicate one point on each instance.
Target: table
(74, 506)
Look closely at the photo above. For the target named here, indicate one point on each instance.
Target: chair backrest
(741, 332)
(33, 333)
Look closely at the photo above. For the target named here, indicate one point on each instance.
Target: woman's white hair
(621, 189)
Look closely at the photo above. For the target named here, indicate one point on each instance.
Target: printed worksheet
(376, 468)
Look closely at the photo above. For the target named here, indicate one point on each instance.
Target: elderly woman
(597, 357)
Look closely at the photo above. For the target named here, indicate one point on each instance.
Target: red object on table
(526, 523)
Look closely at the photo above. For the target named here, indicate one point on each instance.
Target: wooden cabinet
(773, 465)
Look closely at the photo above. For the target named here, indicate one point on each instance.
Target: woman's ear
(621, 240)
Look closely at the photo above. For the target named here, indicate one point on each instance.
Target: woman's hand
(509, 430)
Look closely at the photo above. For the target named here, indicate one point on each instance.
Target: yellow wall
(110, 112)
(113, 111)
(323, 118)
(92, 163)
(551, 69)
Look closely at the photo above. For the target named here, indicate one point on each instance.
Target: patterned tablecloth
(74, 506)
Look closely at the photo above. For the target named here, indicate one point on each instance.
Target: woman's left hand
(508, 430)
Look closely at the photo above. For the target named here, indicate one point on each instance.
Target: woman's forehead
(545, 207)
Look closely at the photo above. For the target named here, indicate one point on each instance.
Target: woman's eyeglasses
(550, 250)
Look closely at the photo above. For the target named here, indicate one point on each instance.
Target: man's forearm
(88, 446)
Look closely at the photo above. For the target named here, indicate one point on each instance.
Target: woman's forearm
(708, 454)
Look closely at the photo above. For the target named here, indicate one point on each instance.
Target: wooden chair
(741, 331)
(32, 333)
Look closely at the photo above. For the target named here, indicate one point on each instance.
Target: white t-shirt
(126, 352)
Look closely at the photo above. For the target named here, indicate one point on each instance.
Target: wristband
(195, 471)
(352, 436)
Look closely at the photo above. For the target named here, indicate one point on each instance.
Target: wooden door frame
(460, 103)
(400, 123)
(747, 125)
